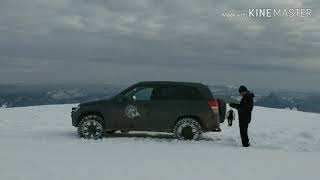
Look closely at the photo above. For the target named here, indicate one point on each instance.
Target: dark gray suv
(185, 109)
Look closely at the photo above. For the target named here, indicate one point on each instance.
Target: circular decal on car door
(131, 111)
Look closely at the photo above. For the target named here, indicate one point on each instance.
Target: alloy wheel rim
(92, 129)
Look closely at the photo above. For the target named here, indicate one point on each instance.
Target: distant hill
(30, 95)
(18, 95)
(274, 101)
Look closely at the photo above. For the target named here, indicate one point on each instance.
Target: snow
(40, 143)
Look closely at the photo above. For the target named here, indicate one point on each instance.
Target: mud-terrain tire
(188, 129)
(91, 127)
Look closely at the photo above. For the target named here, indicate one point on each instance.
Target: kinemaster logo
(270, 12)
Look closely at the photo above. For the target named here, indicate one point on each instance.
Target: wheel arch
(87, 113)
(197, 118)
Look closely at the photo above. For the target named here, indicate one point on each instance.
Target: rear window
(177, 93)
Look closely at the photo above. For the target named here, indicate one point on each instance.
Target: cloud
(169, 39)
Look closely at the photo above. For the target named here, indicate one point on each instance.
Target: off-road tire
(91, 127)
(188, 129)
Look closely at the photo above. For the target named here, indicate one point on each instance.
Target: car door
(171, 102)
(136, 110)
(164, 108)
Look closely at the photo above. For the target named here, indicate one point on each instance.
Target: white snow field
(39, 143)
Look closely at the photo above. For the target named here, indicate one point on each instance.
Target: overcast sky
(124, 41)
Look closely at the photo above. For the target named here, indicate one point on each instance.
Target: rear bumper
(212, 123)
(216, 130)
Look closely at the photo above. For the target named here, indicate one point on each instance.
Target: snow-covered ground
(39, 143)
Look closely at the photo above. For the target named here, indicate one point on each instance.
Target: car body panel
(120, 113)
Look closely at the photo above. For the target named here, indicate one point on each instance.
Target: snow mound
(40, 143)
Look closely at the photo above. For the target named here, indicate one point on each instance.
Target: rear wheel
(90, 127)
(188, 129)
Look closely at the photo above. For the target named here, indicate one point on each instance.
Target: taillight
(214, 105)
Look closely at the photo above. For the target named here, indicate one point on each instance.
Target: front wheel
(188, 129)
(90, 127)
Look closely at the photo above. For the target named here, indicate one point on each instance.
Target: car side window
(141, 94)
(190, 93)
(177, 93)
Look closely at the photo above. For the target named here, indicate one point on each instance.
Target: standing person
(244, 111)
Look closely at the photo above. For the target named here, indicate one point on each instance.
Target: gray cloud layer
(124, 41)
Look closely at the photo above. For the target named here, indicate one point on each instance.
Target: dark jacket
(245, 108)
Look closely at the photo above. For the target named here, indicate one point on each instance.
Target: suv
(185, 109)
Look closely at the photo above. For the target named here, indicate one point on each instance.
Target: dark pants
(244, 134)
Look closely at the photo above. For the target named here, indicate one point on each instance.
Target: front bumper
(74, 116)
